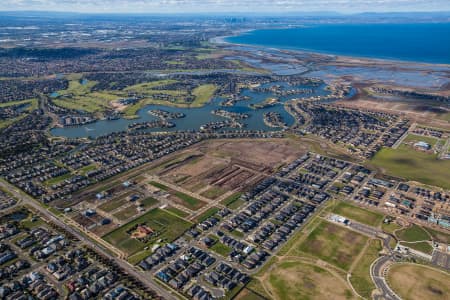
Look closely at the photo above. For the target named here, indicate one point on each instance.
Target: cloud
(225, 5)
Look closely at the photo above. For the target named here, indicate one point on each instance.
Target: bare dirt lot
(228, 165)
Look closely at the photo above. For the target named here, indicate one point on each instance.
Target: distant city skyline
(215, 6)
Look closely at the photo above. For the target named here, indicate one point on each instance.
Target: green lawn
(29, 224)
(360, 279)
(175, 62)
(233, 201)
(150, 201)
(413, 138)
(159, 185)
(137, 257)
(208, 213)
(238, 234)
(79, 96)
(166, 225)
(32, 102)
(334, 244)
(148, 86)
(90, 102)
(358, 214)
(413, 233)
(221, 249)
(424, 247)
(203, 94)
(58, 179)
(439, 235)
(86, 169)
(177, 211)
(390, 227)
(188, 201)
(414, 165)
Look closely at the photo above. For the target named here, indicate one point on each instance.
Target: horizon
(345, 7)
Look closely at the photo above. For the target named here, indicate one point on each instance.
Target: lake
(423, 42)
(195, 117)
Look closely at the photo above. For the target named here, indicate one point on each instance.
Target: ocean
(422, 42)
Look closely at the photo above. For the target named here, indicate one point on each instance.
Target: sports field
(415, 282)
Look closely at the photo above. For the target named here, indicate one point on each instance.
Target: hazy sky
(163, 6)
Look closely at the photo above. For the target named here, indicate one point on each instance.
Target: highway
(146, 280)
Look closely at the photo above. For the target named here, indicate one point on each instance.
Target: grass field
(414, 165)
(334, 244)
(213, 192)
(86, 169)
(247, 294)
(221, 249)
(167, 226)
(148, 86)
(208, 213)
(79, 97)
(438, 235)
(159, 185)
(126, 213)
(150, 201)
(358, 214)
(415, 282)
(413, 138)
(296, 280)
(414, 233)
(58, 179)
(390, 227)
(424, 247)
(177, 211)
(112, 204)
(233, 201)
(360, 279)
(186, 200)
(203, 94)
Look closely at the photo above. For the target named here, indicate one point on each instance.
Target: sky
(204, 6)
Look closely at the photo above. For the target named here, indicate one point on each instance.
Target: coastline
(222, 41)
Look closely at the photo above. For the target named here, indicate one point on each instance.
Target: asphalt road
(377, 274)
(147, 281)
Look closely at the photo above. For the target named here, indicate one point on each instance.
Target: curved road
(147, 281)
(377, 270)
